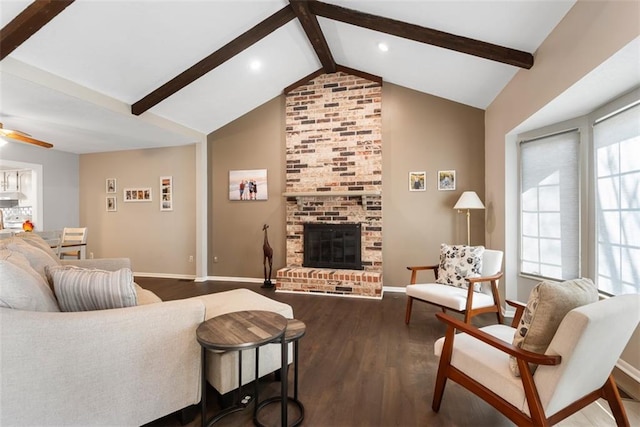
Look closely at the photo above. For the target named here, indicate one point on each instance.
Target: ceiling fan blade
(20, 137)
(23, 137)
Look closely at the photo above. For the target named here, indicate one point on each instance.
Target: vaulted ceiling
(93, 76)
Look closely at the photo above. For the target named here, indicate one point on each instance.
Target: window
(616, 141)
(549, 206)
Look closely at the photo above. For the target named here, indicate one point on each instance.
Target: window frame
(611, 108)
(587, 197)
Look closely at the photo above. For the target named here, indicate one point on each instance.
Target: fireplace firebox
(332, 246)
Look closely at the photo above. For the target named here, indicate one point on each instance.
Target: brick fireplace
(334, 176)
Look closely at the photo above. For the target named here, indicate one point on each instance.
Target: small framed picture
(166, 193)
(417, 181)
(137, 194)
(446, 180)
(111, 185)
(112, 204)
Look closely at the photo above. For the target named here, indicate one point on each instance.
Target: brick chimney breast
(334, 144)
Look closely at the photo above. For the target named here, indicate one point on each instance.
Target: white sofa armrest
(124, 366)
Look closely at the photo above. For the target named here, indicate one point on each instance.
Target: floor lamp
(468, 200)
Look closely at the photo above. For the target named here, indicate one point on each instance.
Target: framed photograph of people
(166, 193)
(112, 205)
(417, 181)
(447, 180)
(111, 185)
(248, 184)
(142, 194)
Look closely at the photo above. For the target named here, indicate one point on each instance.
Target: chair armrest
(492, 278)
(519, 311)
(415, 269)
(527, 356)
(109, 264)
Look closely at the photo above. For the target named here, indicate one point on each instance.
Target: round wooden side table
(237, 331)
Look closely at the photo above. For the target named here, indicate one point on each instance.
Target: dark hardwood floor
(360, 365)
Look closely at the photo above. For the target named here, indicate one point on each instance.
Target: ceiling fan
(23, 137)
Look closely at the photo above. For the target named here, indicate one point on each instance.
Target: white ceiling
(73, 82)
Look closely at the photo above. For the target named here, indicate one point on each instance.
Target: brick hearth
(334, 144)
(326, 281)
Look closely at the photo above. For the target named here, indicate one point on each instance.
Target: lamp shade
(469, 200)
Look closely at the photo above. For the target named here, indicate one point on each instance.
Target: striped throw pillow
(79, 289)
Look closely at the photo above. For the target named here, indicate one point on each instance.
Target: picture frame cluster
(139, 194)
(446, 180)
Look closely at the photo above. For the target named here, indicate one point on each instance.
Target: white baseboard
(398, 289)
(165, 275)
(627, 378)
(234, 279)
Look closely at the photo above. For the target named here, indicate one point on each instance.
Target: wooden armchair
(465, 301)
(574, 371)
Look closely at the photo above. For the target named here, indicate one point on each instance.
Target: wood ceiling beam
(217, 58)
(28, 22)
(424, 35)
(314, 33)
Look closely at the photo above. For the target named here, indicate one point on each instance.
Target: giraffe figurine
(268, 256)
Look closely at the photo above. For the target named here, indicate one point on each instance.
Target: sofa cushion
(459, 262)
(145, 296)
(36, 240)
(79, 289)
(21, 289)
(38, 258)
(548, 303)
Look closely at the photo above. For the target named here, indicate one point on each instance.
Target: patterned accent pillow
(548, 303)
(459, 262)
(79, 289)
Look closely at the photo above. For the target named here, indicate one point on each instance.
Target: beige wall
(157, 242)
(590, 33)
(426, 133)
(420, 133)
(254, 141)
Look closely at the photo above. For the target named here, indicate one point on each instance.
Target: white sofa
(122, 366)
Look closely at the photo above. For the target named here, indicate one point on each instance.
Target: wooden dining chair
(73, 243)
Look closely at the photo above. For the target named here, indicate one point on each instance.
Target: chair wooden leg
(443, 369)
(407, 315)
(610, 392)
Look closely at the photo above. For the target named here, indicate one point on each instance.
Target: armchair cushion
(80, 289)
(459, 262)
(548, 304)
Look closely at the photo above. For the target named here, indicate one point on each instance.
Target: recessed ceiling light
(255, 65)
(383, 47)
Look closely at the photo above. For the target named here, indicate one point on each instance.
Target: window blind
(617, 189)
(549, 206)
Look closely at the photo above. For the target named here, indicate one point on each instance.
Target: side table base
(276, 399)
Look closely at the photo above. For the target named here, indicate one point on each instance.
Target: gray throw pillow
(79, 289)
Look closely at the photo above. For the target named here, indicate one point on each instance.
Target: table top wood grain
(241, 330)
(295, 330)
